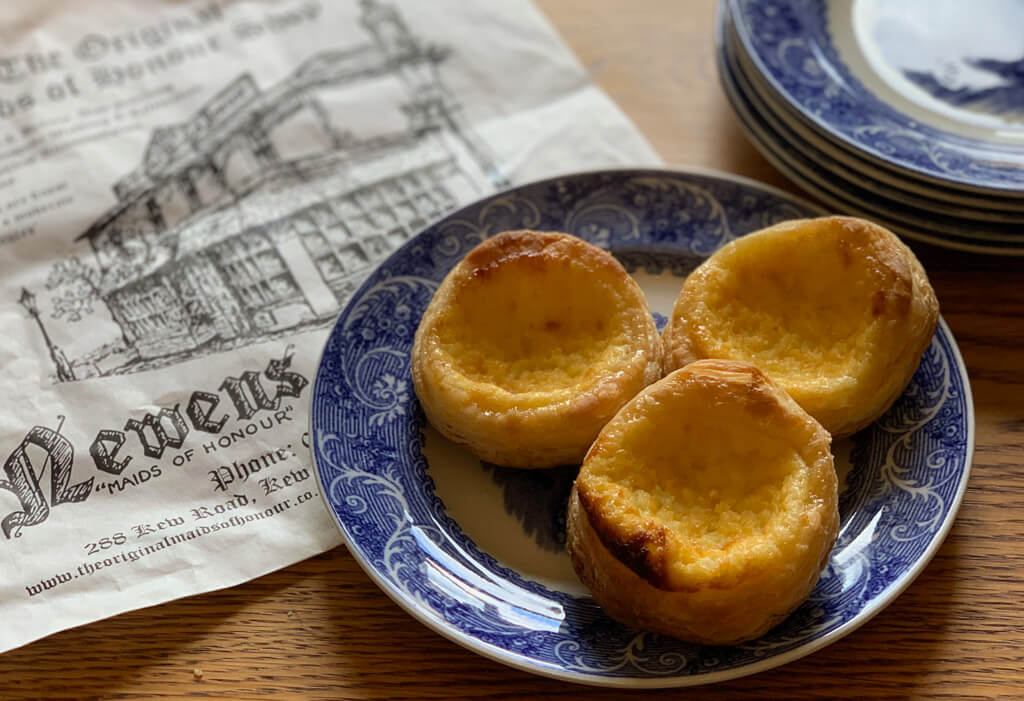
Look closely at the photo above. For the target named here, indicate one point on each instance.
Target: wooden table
(322, 629)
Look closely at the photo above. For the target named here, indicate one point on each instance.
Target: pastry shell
(530, 345)
(707, 508)
(836, 310)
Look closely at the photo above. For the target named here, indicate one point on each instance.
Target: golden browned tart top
(837, 310)
(707, 507)
(530, 344)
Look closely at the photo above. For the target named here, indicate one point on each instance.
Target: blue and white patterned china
(476, 552)
(969, 204)
(842, 189)
(944, 200)
(921, 212)
(931, 88)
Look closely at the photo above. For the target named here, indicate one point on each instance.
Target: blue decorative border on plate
(366, 427)
(831, 185)
(978, 218)
(789, 42)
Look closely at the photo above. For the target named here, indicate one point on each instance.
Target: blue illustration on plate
(908, 469)
(1006, 98)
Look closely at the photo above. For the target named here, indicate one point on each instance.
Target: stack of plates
(908, 113)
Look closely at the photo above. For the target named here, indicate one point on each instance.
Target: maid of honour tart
(837, 311)
(530, 345)
(707, 508)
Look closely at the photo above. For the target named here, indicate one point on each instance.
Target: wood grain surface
(321, 629)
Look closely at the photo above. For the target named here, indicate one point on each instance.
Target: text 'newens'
(47, 450)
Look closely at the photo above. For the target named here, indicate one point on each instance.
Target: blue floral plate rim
(871, 127)
(855, 167)
(429, 616)
(839, 191)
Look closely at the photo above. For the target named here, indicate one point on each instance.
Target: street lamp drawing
(64, 372)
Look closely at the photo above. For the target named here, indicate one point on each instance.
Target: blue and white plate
(476, 552)
(947, 200)
(846, 190)
(931, 88)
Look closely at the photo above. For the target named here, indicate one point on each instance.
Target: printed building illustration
(261, 213)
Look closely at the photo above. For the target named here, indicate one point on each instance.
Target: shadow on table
(165, 649)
